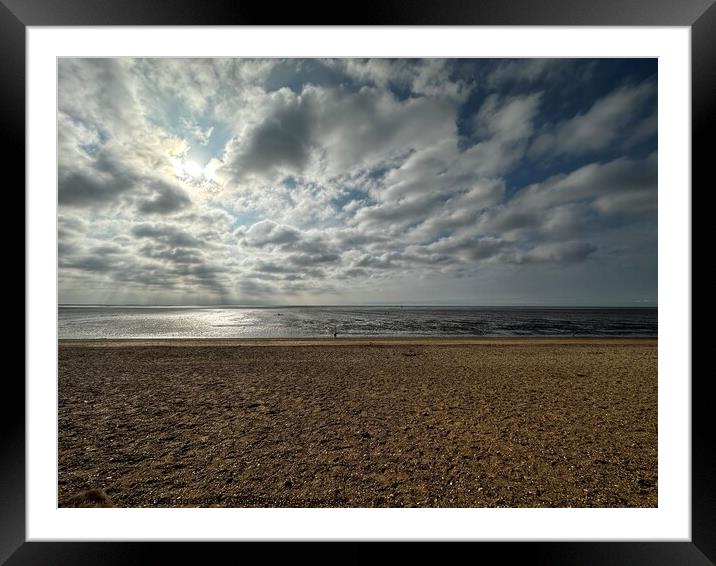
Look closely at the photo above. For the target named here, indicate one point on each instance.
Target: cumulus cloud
(164, 199)
(101, 183)
(598, 183)
(267, 233)
(560, 252)
(601, 125)
(325, 133)
(166, 234)
(234, 180)
(282, 140)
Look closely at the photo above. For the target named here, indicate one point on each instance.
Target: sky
(352, 181)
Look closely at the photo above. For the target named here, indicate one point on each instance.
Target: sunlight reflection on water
(191, 322)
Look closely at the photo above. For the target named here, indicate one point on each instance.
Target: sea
(98, 322)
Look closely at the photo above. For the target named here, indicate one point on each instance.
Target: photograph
(357, 283)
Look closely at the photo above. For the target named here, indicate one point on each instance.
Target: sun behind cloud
(477, 181)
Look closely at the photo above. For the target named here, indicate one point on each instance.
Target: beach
(358, 422)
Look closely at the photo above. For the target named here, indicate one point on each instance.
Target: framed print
(403, 278)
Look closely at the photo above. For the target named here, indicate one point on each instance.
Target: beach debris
(365, 435)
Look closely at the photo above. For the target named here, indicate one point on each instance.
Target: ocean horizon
(239, 321)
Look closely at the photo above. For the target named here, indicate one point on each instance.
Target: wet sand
(360, 422)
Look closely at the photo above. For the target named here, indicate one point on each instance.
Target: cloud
(174, 255)
(94, 263)
(581, 204)
(310, 259)
(559, 252)
(601, 125)
(267, 233)
(563, 73)
(233, 180)
(109, 151)
(508, 120)
(326, 132)
(103, 183)
(428, 177)
(167, 234)
(520, 70)
(201, 135)
(432, 77)
(281, 141)
(100, 93)
(165, 199)
(598, 183)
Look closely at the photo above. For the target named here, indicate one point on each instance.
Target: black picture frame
(699, 15)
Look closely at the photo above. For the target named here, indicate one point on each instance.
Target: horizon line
(264, 305)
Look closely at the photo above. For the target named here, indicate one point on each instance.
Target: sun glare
(193, 169)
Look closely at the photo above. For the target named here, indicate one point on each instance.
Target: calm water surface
(295, 322)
